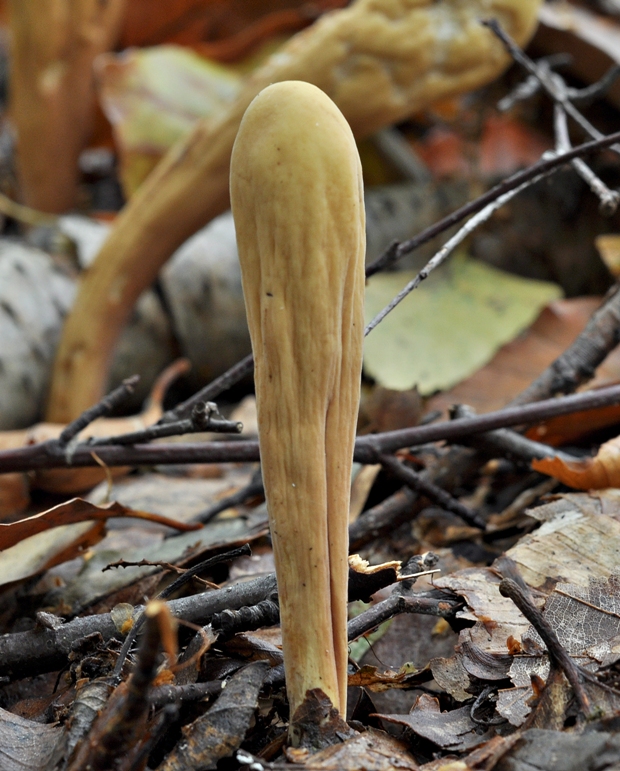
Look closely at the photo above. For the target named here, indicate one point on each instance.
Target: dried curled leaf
(592, 474)
(77, 510)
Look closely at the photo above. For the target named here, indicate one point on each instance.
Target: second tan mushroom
(379, 60)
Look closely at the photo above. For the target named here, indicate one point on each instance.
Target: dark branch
(423, 486)
(210, 392)
(367, 448)
(393, 254)
(104, 407)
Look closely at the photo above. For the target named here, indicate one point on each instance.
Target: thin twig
(171, 694)
(395, 252)
(211, 391)
(396, 604)
(391, 441)
(103, 407)
(595, 90)
(446, 250)
(506, 442)
(120, 733)
(397, 149)
(367, 448)
(531, 85)
(383, 518)
(218, 559)
(206, 419)
(609, 199)
(555, 85)
(546, 80)
(252, 489)
(24, 654)
(266, 613)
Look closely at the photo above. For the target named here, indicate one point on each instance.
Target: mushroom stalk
(52, 90)
(297, 201)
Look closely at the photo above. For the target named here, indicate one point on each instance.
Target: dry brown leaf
(576, 545)
(369, 677)
(225, 31)
(372, 750)
(178, 497)
(77, 510)
(569, 428)
(454, 730)
(506, 144)
(221, 730)
(14, 494)
(609, 248)
(520, 362)
(44, 550)
(586, 619)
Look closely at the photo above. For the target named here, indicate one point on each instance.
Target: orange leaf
(591, 474)
(508, 144)
(568, 428)
(225, 30)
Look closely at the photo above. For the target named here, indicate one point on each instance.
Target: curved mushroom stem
(381, 61)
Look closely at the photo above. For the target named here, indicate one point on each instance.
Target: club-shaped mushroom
(297, 201)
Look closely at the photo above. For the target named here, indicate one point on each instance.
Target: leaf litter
(482, 691)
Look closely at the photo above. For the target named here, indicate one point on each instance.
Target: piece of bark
(219, 732)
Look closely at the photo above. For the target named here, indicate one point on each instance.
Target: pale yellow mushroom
(297, 201)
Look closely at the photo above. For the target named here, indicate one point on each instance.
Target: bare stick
(171, 589)
(511, 416)
(531, 85)
(103, 407)
(609, 198)
(547, 81)
(397, 604)
(367, 448)
(204, 417)
(446, 250)
(395, 252)
(222, 383)
(510, 588)
(43, 650)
